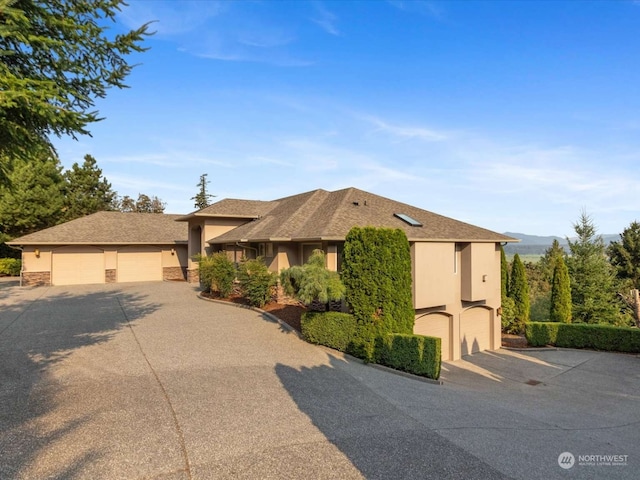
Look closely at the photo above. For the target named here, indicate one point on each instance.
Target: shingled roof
(323, 215)
(114, 228)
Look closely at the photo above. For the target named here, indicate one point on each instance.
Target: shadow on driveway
(380, 440)
(39, 329)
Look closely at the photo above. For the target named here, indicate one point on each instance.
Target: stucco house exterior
(455, 265)
(106, 247)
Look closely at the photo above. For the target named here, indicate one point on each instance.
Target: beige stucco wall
(435, 279)
(481, 272)
(475, 289)
(33, 263)
(110, 258)
(174, 256)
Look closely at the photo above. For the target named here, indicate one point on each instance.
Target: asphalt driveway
(147, 381)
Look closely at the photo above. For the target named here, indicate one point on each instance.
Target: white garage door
(139, 264)
(436, 325)
(475, 330)
(77, 265)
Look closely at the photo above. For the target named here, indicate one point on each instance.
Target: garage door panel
(139, 264)
(475, 330)
(77, 266)
(436, 325)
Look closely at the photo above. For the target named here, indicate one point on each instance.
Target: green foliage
(504, 275)
(10, 267)
(376, 271)
(202, 198)
(256, 281)
(539, 291)
(217, 273)
(519, 292)
(593, 293)
(548, 261)
(410, 353)
(508, 318)
(560, 310)
(144, 204)
(625, 255)
(56, 58)
(86, 191)
(312, 281)
(332, 329)
(34, 200)
(581, 335)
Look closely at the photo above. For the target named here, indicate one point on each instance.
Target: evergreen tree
(560, 293)
(202, 198)
(593, 293)
(504, 275)
(624, 255)
(86, 190)
(519, 292)
(548, 261)
(34, 200)
(56, 58)
(144, 204)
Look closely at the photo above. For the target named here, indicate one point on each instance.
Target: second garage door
(139, 264)
(436, 325)
(475, 330)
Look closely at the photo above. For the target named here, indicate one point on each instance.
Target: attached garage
(436, 325)
(139, 264)
(77, 265)
(475, 330)
(106, 247)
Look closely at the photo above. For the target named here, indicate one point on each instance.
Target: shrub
(10, 267)
(376, 271)
(582, 335)
(256, 281)
(415, 354)
(332, 329)
(519, 292)
(560, 309)
(509, 324)
(312, 281)
(217, 273)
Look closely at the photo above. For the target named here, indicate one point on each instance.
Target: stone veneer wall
(193, 276)
(34, 279)
(110, 275)
(174, 273)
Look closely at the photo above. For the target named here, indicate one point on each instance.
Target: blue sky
(514, 116)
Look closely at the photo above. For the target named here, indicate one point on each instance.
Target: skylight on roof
(406, 218)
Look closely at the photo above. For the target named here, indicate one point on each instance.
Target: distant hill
(536, 245)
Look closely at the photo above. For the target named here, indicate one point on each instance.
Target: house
(455, 266)
(106, 247)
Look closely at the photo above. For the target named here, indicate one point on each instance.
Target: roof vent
(406, 218)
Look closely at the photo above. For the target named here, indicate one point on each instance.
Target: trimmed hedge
(415, 354)
(10, 267)
(331, 329)
(410, 353)
(584, 335)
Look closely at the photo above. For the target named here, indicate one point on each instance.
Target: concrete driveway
(146, 381)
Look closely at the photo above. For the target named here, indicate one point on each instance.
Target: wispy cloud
(325, 19)
(406, 132)
(172, 18)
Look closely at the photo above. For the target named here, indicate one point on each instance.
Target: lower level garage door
(77, 265)
(436, 325)
(139, 264)
(475, 330)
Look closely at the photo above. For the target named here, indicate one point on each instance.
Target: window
(407, 219)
